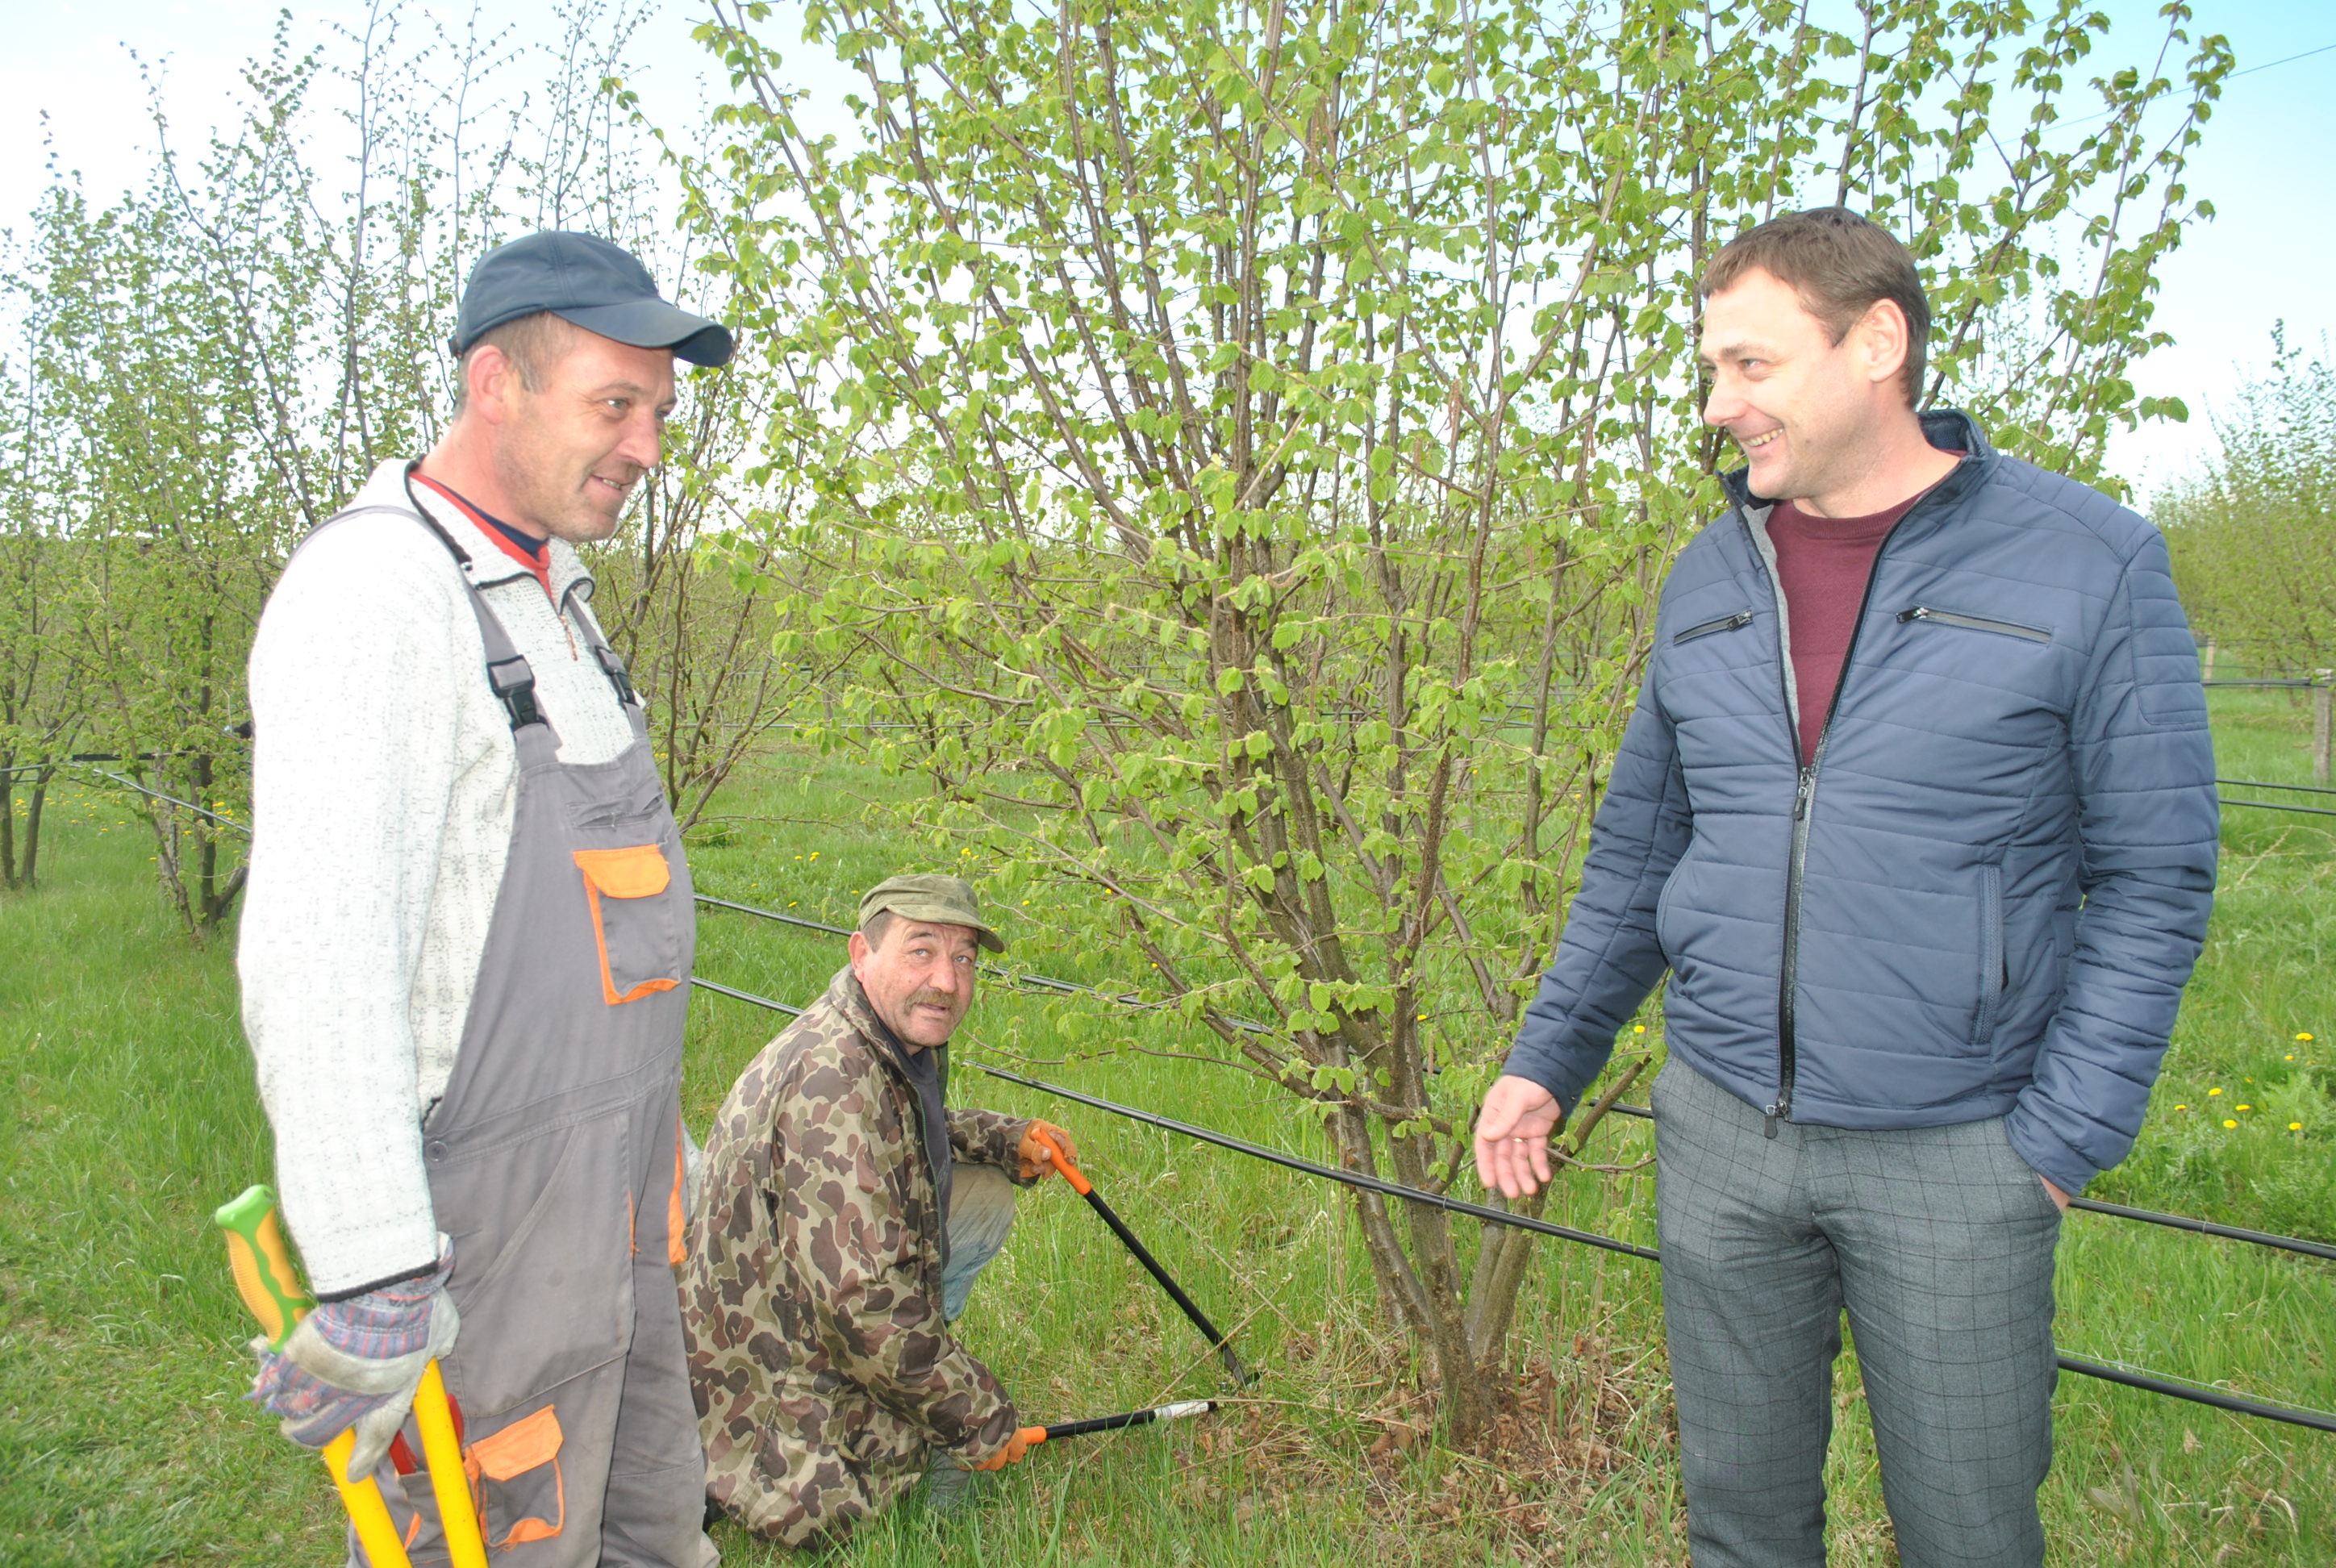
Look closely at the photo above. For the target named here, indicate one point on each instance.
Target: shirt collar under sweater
(490, 563)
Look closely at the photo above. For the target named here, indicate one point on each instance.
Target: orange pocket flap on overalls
(643, 940)
(528, 1449)
(637, 872)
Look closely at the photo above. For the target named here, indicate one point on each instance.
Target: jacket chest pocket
(1925, 615)
(1736, 622)
(634, 922)
(1700, 667)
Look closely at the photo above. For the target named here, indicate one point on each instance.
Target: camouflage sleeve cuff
(980, 1137)
(989, 1440)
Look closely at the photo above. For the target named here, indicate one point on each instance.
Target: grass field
(125, 1442)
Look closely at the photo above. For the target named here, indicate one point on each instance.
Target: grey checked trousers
(1938, 1241)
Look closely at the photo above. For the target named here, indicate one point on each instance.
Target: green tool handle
(261, 1256)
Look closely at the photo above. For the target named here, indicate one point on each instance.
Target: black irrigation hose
(2206, 1228)
(173, 800)
(747, 997)
(2237, 1404)
(1351, 1178)
(2276, 806)
(1392, 1189)
(2146, 1216)
(774, 915)
(2248, 783)
(82, 763)
(2118, 1210)
(2293, 1415)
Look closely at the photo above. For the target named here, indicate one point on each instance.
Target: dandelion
(2211, 1092)
(2246, 1108)
(2181, 1107)
(2303, 1037)
(2289, 1058)
(1638, 1029)
(2229, 1123)
(2295, 1126)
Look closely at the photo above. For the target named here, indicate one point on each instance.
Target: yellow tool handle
(441, 1453)
(261, 1256)
(362, 1497)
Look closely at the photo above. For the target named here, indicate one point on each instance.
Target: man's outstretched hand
(1035, 1157)
(1512, 1134)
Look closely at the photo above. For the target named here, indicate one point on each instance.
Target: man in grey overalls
(467, 943)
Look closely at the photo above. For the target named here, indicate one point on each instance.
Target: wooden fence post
(2209, 672)
(2322, 692)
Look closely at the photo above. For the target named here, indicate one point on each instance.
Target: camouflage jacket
(811, 1298)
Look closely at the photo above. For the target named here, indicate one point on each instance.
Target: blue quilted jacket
(1985, 895)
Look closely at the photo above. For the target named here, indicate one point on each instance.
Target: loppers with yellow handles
(261, 1256)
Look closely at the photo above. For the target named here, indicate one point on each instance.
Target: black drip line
(2238, 1404)
(2248, 783)
(1623, 1108)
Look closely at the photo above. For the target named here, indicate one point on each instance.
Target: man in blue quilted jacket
(1917, 808)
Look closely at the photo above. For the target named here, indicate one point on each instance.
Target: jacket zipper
(1973, 622)
(1803, 804)
(1724, 623)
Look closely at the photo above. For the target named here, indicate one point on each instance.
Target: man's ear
(1880, 339)
(859, 949)
(489, 379)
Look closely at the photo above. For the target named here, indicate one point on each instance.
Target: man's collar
(489, 563)
(1948, 429)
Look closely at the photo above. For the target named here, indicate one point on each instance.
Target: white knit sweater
(384, 780)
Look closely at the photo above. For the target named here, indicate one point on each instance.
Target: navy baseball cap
(584, 279)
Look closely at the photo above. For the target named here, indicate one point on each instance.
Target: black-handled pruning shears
(1085, 1189)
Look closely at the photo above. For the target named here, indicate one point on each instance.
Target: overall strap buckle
(613, 666)
(513, 683)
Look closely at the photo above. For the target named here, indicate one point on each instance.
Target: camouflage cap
(925, 896)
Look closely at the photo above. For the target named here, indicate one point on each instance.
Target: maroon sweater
(1823, 564)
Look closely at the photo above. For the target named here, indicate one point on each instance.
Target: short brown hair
(1841, 266)
(534, 344)
(874, 926)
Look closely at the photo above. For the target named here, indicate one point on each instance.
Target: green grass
(120, 1367)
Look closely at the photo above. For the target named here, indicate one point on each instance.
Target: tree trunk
(7, 820)
(1422, 1285)
(1500, 1273)
(28, 868)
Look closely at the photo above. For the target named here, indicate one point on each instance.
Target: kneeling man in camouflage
(844, 1213)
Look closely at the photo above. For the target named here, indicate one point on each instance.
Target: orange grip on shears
(1071, 1174)
(1032, 1433)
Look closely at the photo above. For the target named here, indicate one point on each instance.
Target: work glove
(356, 1363)
(1016, 1447)
(1035, 1164)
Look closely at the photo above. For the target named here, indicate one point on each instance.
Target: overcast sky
(2264, 164)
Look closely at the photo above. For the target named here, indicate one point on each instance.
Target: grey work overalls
(553, 1162)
